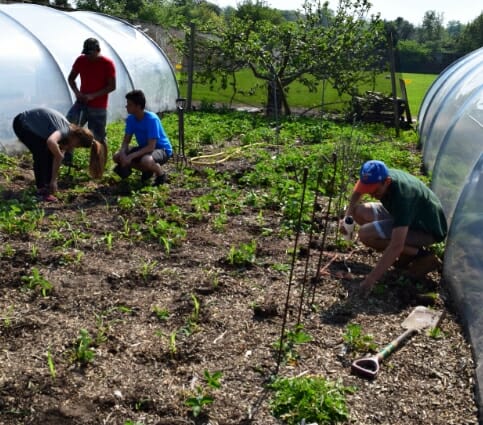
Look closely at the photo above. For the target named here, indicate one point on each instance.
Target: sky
(412, 10)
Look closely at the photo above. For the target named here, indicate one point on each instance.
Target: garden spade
(420, 318)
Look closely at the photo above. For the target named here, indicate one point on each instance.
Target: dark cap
(91, 45)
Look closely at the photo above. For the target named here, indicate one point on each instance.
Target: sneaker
(403, 261)
(423, 263)
(49, 198)
(145, 176)
(68, 159)
(123, 172)
(159, 180)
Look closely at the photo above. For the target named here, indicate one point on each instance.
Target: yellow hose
(205, 159)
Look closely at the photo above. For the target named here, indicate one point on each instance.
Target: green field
(299, 95)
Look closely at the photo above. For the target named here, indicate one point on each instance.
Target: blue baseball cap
(371, 174)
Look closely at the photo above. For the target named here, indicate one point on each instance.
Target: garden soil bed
(140, 374)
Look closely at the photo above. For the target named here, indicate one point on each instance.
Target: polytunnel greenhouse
(451, 133)
(39, 45)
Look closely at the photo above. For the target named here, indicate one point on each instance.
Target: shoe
(403, 261)
(68, 159)
(122, 172)
(159, 180)
(145, 176)
(49, 198)
(423, 263)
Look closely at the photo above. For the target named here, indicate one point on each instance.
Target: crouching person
(48, 135)
(407, 219)
(153, 146)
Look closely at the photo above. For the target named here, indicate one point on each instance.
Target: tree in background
(319, 45)
(472, 36)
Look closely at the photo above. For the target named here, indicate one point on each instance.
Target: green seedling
(435, 333)
(309, 400)
(108, 237)
(195, 314)
(202, 395)
(213, 380)
(51, 365)
(102, 328)
(8, 251)
(161, 313)
(7, 318)
(147, 269)
(281, 267)
(219, 222)
(34, 252)
(36, 280)
(83, 351)
(71, 257)
(172, 343)
(356, 341)
(289, 342)
(244, 255)
(126, 228)
(168, 234)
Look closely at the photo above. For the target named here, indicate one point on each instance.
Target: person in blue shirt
(153, 146)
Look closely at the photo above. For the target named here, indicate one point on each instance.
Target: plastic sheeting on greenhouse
(451, 133)
(38, 46)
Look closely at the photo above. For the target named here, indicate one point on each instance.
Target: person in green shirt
(407, 219)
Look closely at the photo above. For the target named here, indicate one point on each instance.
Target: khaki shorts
(384, 223)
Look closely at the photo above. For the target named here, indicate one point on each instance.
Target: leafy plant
(356, 341)
(34, 252)
(167, 233)
(244, 255)
(435, 333)
(147, 269)
(35, 280)
(309, 399)
(291, 339)
(202, 395)
(83, 351)
(108, 238)
(161, 313)
(7, 317)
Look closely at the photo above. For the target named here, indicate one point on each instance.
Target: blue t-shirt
(148, 128)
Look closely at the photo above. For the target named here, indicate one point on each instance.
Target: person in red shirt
(97, 79)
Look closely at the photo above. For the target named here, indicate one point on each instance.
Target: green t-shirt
(411, 203)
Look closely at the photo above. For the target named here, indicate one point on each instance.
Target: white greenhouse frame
(38, 46)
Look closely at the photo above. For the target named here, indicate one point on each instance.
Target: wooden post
(392, 63)
(191, 59)
(404, 95)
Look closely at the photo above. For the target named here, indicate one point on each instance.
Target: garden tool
(420, 318)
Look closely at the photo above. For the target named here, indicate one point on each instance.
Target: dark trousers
(42, 157)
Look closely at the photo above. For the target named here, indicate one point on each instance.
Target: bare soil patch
(136, 375)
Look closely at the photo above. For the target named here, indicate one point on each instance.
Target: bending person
(154, 148)
(407, 219)
(48, 135)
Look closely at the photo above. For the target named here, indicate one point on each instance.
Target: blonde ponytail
(98, 159)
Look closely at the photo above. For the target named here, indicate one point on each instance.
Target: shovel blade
(422, 318)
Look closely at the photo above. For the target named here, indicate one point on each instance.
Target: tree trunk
(275, 99)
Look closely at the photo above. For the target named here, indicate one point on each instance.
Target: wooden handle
(395, 344)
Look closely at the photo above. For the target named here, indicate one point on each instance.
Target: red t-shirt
(94, 76)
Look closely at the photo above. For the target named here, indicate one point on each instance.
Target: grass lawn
(299, 96)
